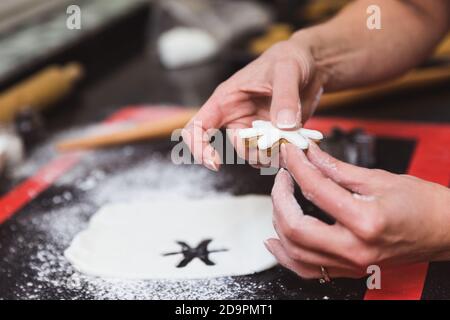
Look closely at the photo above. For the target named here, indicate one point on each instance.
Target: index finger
(321, 190)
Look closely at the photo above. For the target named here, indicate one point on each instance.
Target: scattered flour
(56, 274)
(363, 197)
(59, 218)
(47, 151)
(328, 163)
(308, 195)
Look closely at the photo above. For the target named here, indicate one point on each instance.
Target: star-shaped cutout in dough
(189, 253)
(268, 135)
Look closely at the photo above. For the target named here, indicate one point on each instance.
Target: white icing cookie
(268, 135)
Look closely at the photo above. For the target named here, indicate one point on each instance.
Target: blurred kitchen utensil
(138, 132)
(40, 90)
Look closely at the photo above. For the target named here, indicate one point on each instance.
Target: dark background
(120, 75)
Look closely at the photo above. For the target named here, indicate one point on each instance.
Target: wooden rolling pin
(418, 78)
(142, 131)
(443, 49)
(40, 90)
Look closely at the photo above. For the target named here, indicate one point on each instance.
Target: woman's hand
(268, 88)
(334, 55)
(381, 218)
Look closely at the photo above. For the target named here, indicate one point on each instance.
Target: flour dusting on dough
(145, 240)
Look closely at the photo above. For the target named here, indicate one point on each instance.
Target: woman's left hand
(381, 218)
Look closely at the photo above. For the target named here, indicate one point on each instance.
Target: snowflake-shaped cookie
(268, 135)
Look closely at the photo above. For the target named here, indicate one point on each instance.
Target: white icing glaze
(267, 135)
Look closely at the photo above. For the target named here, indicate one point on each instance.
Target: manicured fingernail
(283, 160)
(286, 119)
(317, 99)
(211, 165)
(267, 245)
(313, 145)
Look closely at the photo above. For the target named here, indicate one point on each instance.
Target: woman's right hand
(282, 85)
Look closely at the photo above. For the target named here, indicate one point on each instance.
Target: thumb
(285, 109)
(356, 179)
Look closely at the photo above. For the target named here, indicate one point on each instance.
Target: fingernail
(283, 160)
(267, 245)
(313, 146)
(317, 99)
(314, 152)
(286, 119)
(211, 165)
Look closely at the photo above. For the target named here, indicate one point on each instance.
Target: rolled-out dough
(132, 240)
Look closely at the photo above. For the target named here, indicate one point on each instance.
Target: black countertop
(140, 79)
